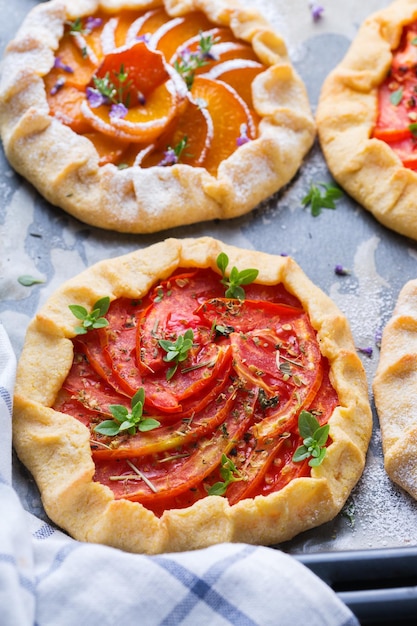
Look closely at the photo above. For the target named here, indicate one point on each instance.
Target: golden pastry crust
(64, 167)
(367, 168)
(56, 447)
(395, 391)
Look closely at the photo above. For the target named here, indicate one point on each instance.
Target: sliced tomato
(187, 429)
(174, 477)
(286, 363)
(246, 315)
(195, 378)
(397, 101)
(89, 388)
(118, 342)
(171, 313)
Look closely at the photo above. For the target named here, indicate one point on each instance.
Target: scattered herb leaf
(348, 511)
(177, 351)
(188, 62)
(229, 473)
(413, 129)
(91, 320)
(314, 439)
(125, 421)
(266, 402)
(27, 280)
(396, 96)
(236, 279)
(321, 198)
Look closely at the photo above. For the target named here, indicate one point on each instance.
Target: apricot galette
(140, 116)
(188, 394)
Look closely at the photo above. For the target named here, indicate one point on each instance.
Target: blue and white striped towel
(49, 579)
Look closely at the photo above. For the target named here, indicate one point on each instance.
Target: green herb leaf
(236, 279)
(321, 198)
(314, 440)
(177, 351)
(396, 96)
(91, 320)
(127, 421)
(188, 62)
(229, 473)
(27, 280)
(413, 129)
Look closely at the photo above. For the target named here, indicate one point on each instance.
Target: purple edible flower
(378, 338)
(61, 66)
(341, 271)
(367, 351)
(170, 158)
(316, 11)
(91, 23)
(118, 111)
(58, 85)
(95, 98)
(243, 135)
(145, 38)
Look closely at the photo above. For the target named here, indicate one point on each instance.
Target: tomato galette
(137, 116)
(367, 117)
(191, 393)
(395, 391)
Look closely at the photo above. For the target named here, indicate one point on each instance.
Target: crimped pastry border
(55, 447)
(367, 168)
(397, 371)
(63, 166)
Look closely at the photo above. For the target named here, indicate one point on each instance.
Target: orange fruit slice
(230, 116)
(239, 74)
(172, 34)
(194, 127)
(139, 79)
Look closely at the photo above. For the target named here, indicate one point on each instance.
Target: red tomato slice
(88, 387)
(246, 315)
(397, 101)
(172, 478)
(187, 429)
(269, 467)
(172, 313)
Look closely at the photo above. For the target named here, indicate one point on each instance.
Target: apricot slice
(146, 25)
(172, 34)
(239, 74)
(142, 122)
(194, 127)
(66, 105)
(145, 70)
(230, 116)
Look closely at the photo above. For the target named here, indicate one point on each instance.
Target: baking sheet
(43, 241)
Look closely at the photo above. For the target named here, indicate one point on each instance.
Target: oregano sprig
(125, 421)
(229, 473)
(92, 319)
(314, 439)
(177, 351)
(236, 279)
(323, 198)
